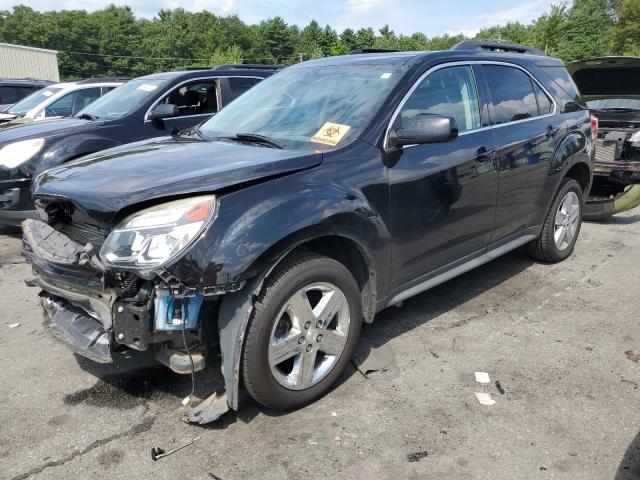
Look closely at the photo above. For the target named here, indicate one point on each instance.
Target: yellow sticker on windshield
(331, 134)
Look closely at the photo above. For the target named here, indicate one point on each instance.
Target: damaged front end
(105, 293)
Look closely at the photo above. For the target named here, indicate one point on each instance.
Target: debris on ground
(375, 363)
(435, 355)
(485, 398)
(417, 456)
(158, 453)
(14, 325)
(499, 387)
(633, 356)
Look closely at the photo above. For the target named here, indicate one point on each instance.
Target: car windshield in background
(307, 107)
(123, 99)
(615, 104)
(33, 100)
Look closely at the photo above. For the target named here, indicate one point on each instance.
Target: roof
(412, 58)
(195, 73)
(28, 48)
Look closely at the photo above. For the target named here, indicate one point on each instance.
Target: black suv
(328, 192)
(12, 90)
(146, 107)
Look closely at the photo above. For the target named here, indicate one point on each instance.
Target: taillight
(594, 125)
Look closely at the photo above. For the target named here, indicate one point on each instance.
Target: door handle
(483, 154)
(551, 131)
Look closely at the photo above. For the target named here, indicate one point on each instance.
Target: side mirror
(423, 129)
(162, 111)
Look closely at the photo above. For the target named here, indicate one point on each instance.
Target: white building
(17, 61)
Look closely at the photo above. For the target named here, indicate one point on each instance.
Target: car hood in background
(16, 131)
(607, 77)
(103, 184)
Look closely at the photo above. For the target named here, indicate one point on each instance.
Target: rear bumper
(76, 329)
(626, 173)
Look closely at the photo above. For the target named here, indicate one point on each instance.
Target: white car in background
(59, 100)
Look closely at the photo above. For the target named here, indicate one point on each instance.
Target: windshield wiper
(86, 116)
(256, 138)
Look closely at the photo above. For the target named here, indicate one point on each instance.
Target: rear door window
(450, 92)
(512, 94)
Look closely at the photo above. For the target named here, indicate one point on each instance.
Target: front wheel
(302, 331)
(562, 225)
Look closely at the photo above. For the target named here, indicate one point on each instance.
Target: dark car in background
(12, 90)
(327, 193)
(611, 89)
(146, 107)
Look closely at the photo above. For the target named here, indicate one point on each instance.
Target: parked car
(611, 88)
(328, 192)
(13, 90)
(58, 100)
(146, 107)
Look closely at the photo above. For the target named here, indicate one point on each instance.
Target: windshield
(123, 99)
(308, 107)
(33, 100)
(614, 104)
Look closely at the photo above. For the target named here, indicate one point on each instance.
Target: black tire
(295, 273)
(544, 247)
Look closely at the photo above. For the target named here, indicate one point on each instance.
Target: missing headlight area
(101, 312)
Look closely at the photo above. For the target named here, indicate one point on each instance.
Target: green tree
(625, 38)
(548, 30)
(587, 31)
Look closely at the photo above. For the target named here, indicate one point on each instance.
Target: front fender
(255, 226)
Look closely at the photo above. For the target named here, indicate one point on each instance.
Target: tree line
(113, 41)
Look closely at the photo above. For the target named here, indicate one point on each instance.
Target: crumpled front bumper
(75, 328)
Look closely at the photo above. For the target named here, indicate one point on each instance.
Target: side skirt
(459, 267)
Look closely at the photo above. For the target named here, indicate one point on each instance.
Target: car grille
(83, 233)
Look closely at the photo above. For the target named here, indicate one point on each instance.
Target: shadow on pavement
(629, 469)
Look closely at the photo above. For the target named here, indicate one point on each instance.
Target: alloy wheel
(567, 221)
(309, 335)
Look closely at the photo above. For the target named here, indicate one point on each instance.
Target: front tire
(302, 331)
(562, 225)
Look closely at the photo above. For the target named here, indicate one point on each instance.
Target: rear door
(527, 130)
(442, 195)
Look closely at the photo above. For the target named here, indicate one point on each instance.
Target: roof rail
(247, 66)
(497, 47)
(361, 51)
(102, 80)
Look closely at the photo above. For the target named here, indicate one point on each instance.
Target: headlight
(151, 237)
(17, 153)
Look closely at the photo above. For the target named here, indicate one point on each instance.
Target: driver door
(443, 195)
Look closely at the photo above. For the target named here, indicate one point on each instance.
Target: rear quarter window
(559, 82)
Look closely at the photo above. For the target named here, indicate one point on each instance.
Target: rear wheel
(562, 225)
(302, 332)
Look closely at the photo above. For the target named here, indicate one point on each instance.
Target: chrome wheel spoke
(333, 342)
(328, 306)
(284, 350)
(559, 235)
(303, 369)
(300, 307)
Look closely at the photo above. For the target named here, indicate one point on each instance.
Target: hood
(105, 183)
(607, 77)
(15, 131)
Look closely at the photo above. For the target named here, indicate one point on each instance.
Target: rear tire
(302, 332)
(561, 226)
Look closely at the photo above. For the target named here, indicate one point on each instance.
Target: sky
(431, 17)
